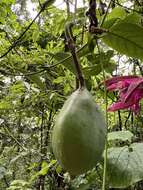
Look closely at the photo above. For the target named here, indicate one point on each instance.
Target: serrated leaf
(126, 38)
(120, 135)
(125, 165)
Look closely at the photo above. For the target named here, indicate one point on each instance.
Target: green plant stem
(106, 120)
(75, 9)
(102, 22)
(11, 135)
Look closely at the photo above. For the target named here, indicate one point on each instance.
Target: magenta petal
(118, 105)
(135, 108)
(113, 80)
(134, 97)
(130, 92)
(112, 87)
(133, 88)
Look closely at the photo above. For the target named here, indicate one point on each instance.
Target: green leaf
(95, 67)
(35, 35)
(66, 58)
(19, 185)
(92, 70)
(46, 167)
(5, 105)
(17, 88)
(120, 135)
(126, 38)
(133, 18)
(125, 165)
(58, 80)
(37, 80)
(117, 12)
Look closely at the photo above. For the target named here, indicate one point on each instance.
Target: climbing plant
(37, 75)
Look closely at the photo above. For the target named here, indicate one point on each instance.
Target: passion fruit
(79, 133)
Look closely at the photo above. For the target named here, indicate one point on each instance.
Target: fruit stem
(72, 48)
(106, 121)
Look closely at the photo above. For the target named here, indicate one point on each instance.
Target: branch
(91, 13)
(43, 68)
(14, 44)
(127, 8)
(11, 135)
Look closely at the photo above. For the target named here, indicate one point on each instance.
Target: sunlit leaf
(126, 38)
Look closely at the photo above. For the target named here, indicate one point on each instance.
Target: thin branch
(127, 120)
(136, 61)
(68, 7)
(127, 8)
(6, 181)
(14, 44)
(40, 3)
(43, 68)
(102, 22)
(75, 9)
(11, 135)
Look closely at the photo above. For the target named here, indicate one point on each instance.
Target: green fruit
(78, 137)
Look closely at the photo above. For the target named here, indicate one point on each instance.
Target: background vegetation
(37, 75)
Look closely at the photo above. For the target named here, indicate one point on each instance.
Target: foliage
(125, 165)
(37, 75)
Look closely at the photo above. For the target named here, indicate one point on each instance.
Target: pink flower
(130, 92)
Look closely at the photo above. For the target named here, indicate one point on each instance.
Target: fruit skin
(78, 136)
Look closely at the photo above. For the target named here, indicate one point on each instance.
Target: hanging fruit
(79, 134)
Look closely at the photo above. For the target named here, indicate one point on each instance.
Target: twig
(136, 61)
(127, 8)
(40, 3)
(11, 135)
(102, 22)
(127, 120)
(75, 9)
(120, 120)
(68, 7)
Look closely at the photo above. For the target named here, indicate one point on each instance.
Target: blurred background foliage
(37, 75)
